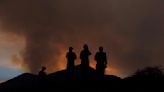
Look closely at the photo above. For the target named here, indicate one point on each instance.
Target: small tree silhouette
(150, 73)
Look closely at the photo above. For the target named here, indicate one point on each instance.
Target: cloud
(130, 31)
(7, 73)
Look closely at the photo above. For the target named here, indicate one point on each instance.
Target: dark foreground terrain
(150, 79)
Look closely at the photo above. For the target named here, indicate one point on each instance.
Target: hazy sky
(34, 33)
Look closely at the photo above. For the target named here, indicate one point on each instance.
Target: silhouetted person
(42, 77)
(84, 56)
(42, 72)
(71, 56)
(101, 60)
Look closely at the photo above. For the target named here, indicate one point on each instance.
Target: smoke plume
(130, 31)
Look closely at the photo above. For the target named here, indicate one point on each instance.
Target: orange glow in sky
(16, 59)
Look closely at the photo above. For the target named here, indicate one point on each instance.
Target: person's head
(70, 49)
(101, 49)
(85, 46)
(43, 68)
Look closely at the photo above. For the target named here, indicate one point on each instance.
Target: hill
(60, 81)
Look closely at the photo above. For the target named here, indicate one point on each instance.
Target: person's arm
(67, 55)
(81, 55)
(89, 52)
(105, 59)
(95, 57)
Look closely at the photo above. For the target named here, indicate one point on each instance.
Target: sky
(36, 33)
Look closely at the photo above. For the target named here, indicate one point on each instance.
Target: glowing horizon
(15, 59)
(36, 33)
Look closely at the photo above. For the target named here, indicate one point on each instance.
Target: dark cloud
(131, 31)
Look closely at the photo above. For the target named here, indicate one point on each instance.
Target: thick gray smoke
(130, 31)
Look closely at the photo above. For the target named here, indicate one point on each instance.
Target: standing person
(101, 60)
(84, 56)
(71, 56)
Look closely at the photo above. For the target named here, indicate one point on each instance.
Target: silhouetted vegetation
(84, 78)
(145, 79)
(149, 73)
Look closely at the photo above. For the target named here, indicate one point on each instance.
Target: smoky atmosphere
(36, 33)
